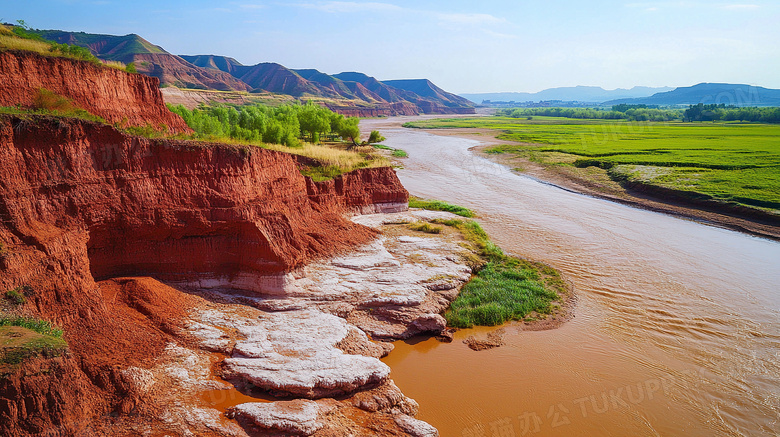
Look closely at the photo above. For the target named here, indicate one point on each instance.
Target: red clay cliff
(114, 95)
(81, 201)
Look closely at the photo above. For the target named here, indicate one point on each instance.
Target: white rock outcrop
(297, 417)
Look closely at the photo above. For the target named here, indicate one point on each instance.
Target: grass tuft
(10, 42)
(50, 101)
(15, 296)
(425, 227)
(396, 153)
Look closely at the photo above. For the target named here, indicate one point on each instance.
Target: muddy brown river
(677, 327)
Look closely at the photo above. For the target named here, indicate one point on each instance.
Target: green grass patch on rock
(19, 295)
(425, 227)
(396, 153)
(22, 338)
(504, 288)
(438, 205)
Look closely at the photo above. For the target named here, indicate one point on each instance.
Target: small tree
(375, 137)
(348, 129)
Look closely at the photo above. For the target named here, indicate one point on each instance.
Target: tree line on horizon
(618, 112)
(699, 112)
(721, 112)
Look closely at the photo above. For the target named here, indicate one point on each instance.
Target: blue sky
(462, 46)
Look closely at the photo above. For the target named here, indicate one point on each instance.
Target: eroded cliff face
(172, 208)
(114, 95)
(81, 201)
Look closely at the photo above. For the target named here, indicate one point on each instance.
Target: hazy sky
(462, 46)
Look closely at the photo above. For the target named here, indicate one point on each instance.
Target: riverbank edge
(652, 198)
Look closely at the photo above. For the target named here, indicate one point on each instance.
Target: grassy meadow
(731, 162)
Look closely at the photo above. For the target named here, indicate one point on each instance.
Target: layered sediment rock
(114, 95)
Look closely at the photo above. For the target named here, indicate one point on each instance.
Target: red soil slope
(80, 201)
(114, 95)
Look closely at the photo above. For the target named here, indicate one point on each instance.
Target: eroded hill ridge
(353, 94)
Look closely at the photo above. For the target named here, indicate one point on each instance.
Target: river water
(677, 327)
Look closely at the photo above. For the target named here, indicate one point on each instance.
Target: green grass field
(733, 162)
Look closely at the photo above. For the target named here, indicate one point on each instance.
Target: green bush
(285, 124)
(130, 68)
(375, 137)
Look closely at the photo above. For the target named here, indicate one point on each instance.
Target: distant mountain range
(351, 93)
(707, 93)
(587, 94)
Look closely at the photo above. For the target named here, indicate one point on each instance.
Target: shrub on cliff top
(282, 128)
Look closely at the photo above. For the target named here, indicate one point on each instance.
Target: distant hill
(590, 94)
(352, 93)
(149, 59)
(222, 63)
(728, 94)
(344, 88)
(430, 92)
(381, 89)
(108, 47)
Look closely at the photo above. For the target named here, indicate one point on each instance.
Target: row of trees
(700, 112)
(581, 113)
(286, 124)
(713, 112)
(622, 112)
